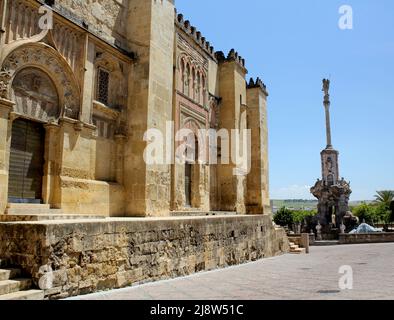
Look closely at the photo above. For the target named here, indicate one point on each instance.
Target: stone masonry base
(68, 258)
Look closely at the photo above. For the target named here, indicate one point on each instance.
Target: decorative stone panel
(42, 56)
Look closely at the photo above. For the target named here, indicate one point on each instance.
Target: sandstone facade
(96, 82)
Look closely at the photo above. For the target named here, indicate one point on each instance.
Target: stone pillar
(3, 8)
(305, 241)
(78, 191)
(231, 88)
(88, 81)
(51, 190)
(326, 103)
(151, 31)
(5, 141)
(328, 124)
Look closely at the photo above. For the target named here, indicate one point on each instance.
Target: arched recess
(48, 60)
(35, 95)
(192, 78)
(194, 164)
(195, 144)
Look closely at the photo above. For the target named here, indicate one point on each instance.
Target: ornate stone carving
(195, 57)
(49, 60)
(35, 95)
(5, 77)
(326, 87)
(192, 72)
(105, 19)
(214, 112)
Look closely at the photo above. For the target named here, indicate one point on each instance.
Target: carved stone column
(5, 141)
(326, 103)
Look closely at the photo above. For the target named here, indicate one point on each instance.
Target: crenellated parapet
(196, 35)
(231, 56)
(258, 83)
(205, 45)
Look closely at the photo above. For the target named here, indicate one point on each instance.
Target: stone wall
(80, 257)
(106, 19)
(366, 238)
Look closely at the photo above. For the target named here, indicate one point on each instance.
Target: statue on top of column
(326, 89)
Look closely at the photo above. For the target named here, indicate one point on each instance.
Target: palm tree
(384, 197)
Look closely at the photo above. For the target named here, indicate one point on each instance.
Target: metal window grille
(103, 86)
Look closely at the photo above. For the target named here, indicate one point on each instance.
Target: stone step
(45, 217)
(7, 274)
(298, 251)
(27, 205)
(9, 286)
(195, 213)
(32, 211)
(24, 295)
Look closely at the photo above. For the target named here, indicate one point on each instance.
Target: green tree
(384, 197)
(384, 209)
(284, 217)
(300, 215)
(364, 212)
(381, 213)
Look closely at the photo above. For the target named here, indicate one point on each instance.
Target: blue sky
(292, 45)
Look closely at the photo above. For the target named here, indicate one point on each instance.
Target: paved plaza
(313, 276)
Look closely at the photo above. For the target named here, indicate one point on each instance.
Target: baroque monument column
(333, 193)
(326, 88)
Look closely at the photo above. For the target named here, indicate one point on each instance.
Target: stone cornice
(104, 111)
(6, 103)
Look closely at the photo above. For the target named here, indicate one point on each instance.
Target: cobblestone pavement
(313, 276)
